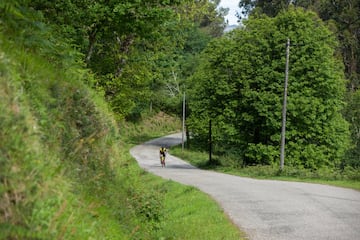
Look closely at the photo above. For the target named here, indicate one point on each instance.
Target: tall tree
(135, 47)
(240, 86)
(107, 26)
(270, 8)
(173, 56)
(352, 115)
(343, 14)
(343, 18)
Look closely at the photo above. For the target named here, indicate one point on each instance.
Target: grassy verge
(339, 179)
(183, 212)
(174, 210)
(191, 214)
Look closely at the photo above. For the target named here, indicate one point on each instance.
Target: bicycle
(162, 160)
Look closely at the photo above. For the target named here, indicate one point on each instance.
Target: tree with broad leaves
(240, 83)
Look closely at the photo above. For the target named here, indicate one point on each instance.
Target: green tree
(352, 115)
(343, 15)
(343, 18)
(174, 57)
(270, 8)
(136, 48)
(240, 86)
(107, 33)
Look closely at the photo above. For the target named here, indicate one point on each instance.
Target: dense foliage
(240, 83)
(139, 50)
(341, 16)
(352, 113)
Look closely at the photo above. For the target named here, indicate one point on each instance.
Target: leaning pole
(283, 127)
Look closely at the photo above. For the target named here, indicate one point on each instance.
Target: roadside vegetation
(348, 177)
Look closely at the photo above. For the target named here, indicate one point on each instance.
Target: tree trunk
(92, 41)
(124, 45)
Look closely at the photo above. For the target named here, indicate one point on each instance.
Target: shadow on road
(166, 141)
(180, 166)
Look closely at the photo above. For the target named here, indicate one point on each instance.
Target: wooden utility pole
(183, 124)
(283, 128)
(210, 143)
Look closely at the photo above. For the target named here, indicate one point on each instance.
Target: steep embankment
(59, 153)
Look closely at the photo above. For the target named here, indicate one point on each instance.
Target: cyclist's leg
(162, 160)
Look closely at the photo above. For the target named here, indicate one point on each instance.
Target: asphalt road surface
(264, 209)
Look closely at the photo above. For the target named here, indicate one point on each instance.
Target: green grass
(327, 177)
(187, 213)
(193, 215)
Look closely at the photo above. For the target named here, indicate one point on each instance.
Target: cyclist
(162, 155)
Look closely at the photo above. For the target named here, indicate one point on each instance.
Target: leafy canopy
(240, 84)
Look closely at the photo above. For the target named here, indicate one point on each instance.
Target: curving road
(264, 209)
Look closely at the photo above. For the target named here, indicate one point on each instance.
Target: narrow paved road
(265, 209)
